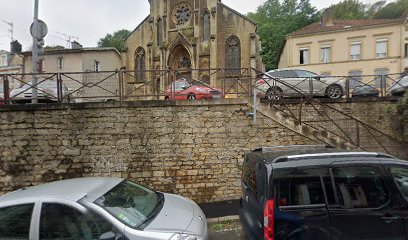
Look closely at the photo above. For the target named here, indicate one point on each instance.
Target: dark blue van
(319, 193)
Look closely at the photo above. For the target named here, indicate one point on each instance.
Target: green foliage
(348, 9)
(275, 20)
(392, 10)
(116, 40)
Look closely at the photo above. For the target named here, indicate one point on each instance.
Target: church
(192, 38)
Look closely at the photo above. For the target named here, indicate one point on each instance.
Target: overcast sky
(90, 20)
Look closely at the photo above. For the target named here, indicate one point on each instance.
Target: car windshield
(132, 204)
(1, 89)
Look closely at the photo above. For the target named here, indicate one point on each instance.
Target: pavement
(225, 228)
(223, 221)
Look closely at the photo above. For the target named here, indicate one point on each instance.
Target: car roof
(304, 155)
(286, 69)
(71, 190)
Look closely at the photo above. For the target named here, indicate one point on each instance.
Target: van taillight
(269, 220)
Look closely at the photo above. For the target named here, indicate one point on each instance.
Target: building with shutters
(349, 47)
(191, 37)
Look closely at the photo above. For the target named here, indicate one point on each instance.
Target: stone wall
(190, 148)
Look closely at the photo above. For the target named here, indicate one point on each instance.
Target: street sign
(42, 30)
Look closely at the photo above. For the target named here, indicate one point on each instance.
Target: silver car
(291, 82)
(399, 87)
(47, 91)
(99, 208)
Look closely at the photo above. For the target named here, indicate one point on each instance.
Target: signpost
(38, 31)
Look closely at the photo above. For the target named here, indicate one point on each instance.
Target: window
(302, 188)
(355, 51)
(3, 60)
(140, 65)
(406, 50)
(355, 78)
(381, 76)
(360, 187)
(304, 56)
(381, 48)
(249, 176)
(63, 222)
(206, 26)
(325, 54)
(60, 63)
(233, 55)
(305, 74)
(97, 66)
(401, 179)
(15, 221)
(159, 32)
(41, 66)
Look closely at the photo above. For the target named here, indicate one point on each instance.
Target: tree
(348, 9)
(393, 10)
(275, 20)
(116, 40)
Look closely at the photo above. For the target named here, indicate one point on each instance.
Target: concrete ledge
(150, 103)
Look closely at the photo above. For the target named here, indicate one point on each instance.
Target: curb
(221, 219)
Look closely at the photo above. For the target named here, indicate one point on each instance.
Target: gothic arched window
(159, 31)
(140, 65)
(206, 26)
(233, 55)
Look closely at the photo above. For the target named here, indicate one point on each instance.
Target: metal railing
(164, 84)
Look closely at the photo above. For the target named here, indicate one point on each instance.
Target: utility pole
(38, 31)
(35, 60)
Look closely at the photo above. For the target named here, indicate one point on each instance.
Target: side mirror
(108, 236)
(318, 78)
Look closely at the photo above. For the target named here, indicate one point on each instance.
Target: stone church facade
(191, 37)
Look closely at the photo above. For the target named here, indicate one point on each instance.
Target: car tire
(334, 92)
(274, 94)
(191, 96)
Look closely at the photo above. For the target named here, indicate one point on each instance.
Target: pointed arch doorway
(180, 61)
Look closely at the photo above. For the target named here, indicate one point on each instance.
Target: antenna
(11, 29)
(68, 38)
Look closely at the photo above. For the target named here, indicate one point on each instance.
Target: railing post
(6, 90)
(59, 88)
(348, 88)
(120, 78)
(311, 87)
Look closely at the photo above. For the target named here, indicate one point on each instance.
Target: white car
(99, 208)
(47, 91)
(294, 82)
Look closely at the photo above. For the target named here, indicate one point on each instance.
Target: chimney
(327, 19)
(75, 45)
(15, 47)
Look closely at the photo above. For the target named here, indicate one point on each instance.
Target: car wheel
(191, 96)
(334, 92)
(274, 94)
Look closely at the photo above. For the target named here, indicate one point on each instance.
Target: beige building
(349, 47)
(184, 35)
(84, 70)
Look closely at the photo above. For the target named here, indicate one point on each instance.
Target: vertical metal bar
(6, 90)
(255, 106)
(60, 94)
(120, 78)
(348, 88)
(311, 87)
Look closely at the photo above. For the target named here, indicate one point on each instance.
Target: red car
(182, 89)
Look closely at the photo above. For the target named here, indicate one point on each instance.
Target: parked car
(289, 82)
(182, 89)
(47, 92)
(400, 87)
(99, 208)
(313, 192)
(1, 95)
(365, 91)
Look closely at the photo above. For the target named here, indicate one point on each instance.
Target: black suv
(319, 193)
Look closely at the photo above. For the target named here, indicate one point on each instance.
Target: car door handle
(390, 219)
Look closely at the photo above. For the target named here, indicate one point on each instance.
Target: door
(295, 83)
(312, 84)
(363, 207)
(399, 181)
(301, 198)
(253, 187)
(58, 221)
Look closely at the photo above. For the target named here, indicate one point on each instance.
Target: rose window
(182, 14)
